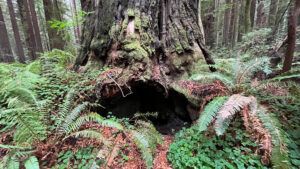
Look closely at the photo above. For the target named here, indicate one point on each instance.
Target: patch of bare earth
(161, 161)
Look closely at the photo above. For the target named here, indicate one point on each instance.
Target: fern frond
(232, 106)
(83, 119)
(279, 78)
(209, 112)
(143, 144)
(66, 106)
(72, 116)
(280, 157)
(213, 76)
(112, 123)
(88, 134)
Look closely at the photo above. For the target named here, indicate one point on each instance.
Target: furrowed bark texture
(153, 42)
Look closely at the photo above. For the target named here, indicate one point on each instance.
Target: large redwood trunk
(150, 44)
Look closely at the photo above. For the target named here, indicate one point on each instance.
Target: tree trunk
(233, 23)
(261, 18)
(247, 16)
(154, 43)
(29, 40)
(208, 23)
(293, 17)
(30, 31)
(77, 29)
(241, 23)
(51, 12)
(226, 23)
(36, 28)
(253, 9)
(272, 13)
(15, 27)
(200, 20)
(5, 48)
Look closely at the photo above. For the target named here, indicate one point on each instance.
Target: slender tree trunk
(247, 16)
(51, 12)
(261, 18)
(252, 15)
(241, 23)
(77, 29)
(226, 23)
(200, 20)
(292, 24)
(233, 22)
(5, 48)
(217, 24)
(30, 31)
(272, 13)
(35, 27)
(208, 23)
(15, 27)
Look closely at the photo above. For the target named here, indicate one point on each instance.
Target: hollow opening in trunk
(151, 98)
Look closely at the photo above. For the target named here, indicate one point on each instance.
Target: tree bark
(154, 43)
(233, 23)
(247, 16)
(261, 18)
(36, 28)
(15, 27)
(30, 31)
(226, 23)
(5, 48)
(253, 9)
(272, 13)
(241, 23)
(77, 29)
(200, 20)
(292, 24)
(51, 12)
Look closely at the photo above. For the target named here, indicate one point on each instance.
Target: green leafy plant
(193, 149)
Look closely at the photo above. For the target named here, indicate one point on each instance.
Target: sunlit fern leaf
(280, 158)
(144, 146)
(213, 76)
(69, 99)
(31, 163)
(112, 123)
(209, 112)
(10, 161)
(89, 134)
(152, 132)
(279, 78)
(232, 106)
(72, 116)
(83, 119)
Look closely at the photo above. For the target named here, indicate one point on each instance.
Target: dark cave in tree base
(171, 108)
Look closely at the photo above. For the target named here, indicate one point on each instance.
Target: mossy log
(148, 41)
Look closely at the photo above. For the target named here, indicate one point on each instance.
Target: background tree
(35, 25)
(53, 12)
(5, 48)
(293, 19)
(20, 50)
(226, 22)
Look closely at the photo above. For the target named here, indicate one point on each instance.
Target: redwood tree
(292, 24)
(148, 43)
(35, 25)
(5, 48)
(51, 13)
(15, 27)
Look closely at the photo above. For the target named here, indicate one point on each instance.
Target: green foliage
(280, 157)
(81, 159)
(32, 163)
(237, 75)
(146, 137)
(192, 149)
(62, 57)
(210, 112)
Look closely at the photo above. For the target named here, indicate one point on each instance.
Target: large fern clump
(262, 126)
(237, 74)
